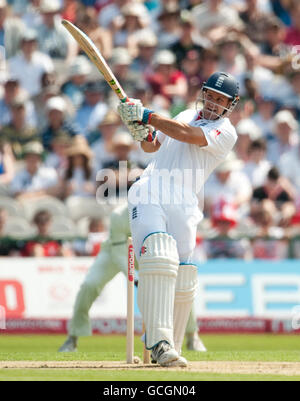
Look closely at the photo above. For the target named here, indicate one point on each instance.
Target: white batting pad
(185, 292)
(156, 292)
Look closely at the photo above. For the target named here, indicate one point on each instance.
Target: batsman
(111, 260)
(164, 211)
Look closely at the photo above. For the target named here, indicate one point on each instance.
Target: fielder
(164, 231)
(112, 259)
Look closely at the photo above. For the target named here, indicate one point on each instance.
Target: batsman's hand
(133, 110)
(140, 132)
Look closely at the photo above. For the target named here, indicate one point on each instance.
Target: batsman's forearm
(177, 130)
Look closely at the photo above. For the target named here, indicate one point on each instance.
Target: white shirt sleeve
(220, 140)
(160, 137)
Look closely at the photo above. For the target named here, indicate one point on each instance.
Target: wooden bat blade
(96, 58)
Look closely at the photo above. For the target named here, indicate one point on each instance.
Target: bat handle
(125, 99)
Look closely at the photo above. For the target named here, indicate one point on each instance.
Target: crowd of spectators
(59, 127)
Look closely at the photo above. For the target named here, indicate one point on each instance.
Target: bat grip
(125, 99)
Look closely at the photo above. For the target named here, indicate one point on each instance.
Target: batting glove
(134, 111)
(140, 132)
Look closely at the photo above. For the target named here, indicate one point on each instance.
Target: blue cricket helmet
(223, 83)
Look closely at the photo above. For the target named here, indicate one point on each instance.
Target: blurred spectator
(93, 108)
(293, 32)
(18, 133)
(257, 167)
(293, 97)
(147, 44)
(214, 19)
(79, 175)
(286, 139)
(69, 10)
(34, 180)
(128, 27)
(224, 242)
(289, 165)
(278, 191)
(231, 58)
(263, 117)
(29, 65)
(53, 38)
(230, 184)
(3, 219)
(96, 236)
(123, 171)
(247, 132)
(57, 157)
(32, 17)
(43, 246)
(12, 89)
(188, 40)
(169, 29)
(269, 242)
(87, 22)
(56, 109)
(11, 29)
(74, 87)
(102, 148)
(120, 63)
(210, 63)
(108, 13)
(274, 34)
(254, 20)
(7, 165)
(167, 81)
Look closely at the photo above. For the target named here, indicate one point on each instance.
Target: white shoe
(70, 345)
(163, 354)
(181, 362)
(194, 343)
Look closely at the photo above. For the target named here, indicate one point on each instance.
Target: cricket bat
(96, 58)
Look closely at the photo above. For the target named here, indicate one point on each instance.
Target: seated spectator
(93, 107)
(209, 63)
(278, 191)
(70, 10)
(167, 81)
(43, 246)
(102, 148)
(169, 29)
(34, 180)
(230, 184)
(146, 47)
(57, 158)
(117, 181)
(247, 132)
(87, 22)
(286, 139)
(289, 165)
(56, 109)
(224, 241)
(109, 13)
(79, 180)
(214, 19)
(74, 87)
(274, 34)
(269, 240)
(29, 65)
(231, 57)
(263, 117)
(53, 38)
(257, 167)
(292, 37)
(254, 19)
(11, 29)
(134, 18)
(188, 39)
(18, 133)
(96, 236)
(3, 219)
(293, 97)
(12, 89)
(120, 63)
(32, 17)
(7, 165)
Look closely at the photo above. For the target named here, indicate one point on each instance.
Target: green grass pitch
(238, 348)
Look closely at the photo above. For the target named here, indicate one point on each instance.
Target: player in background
(112, 259)
(164, 227)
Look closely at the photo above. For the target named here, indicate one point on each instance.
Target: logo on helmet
(220, 81)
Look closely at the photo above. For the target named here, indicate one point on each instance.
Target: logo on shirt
(218, 133)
